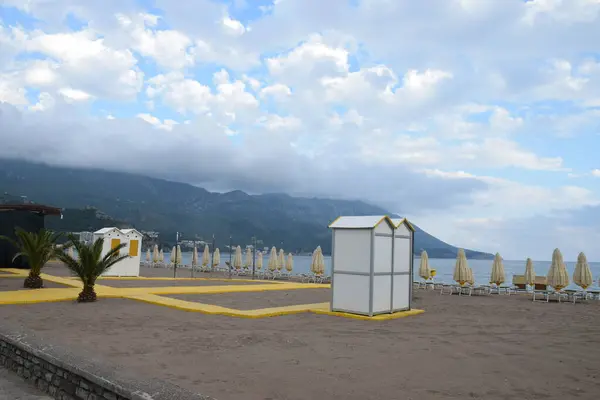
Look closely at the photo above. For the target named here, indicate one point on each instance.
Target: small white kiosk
(134, 247)
(404, 239)
(114, 237)
(371, 265)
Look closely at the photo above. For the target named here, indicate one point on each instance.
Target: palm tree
(90, 264)
(38, 248)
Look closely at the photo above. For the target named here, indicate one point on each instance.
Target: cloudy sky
(477, 119)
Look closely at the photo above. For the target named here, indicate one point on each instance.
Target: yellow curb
(158, 278)
(379, 317)
(210, 309)
(151, 295)
(16, 271)
(61, 280)
(32, 296)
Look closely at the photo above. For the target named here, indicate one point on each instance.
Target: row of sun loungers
(260, 273)
(485, 290)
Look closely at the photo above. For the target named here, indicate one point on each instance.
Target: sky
(479, 120)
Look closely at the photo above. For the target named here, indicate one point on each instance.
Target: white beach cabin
(134, 238)
(112, 238)
(363, 278)
(404, 239)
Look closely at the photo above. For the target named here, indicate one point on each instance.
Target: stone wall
(54, 380)
(65, 376)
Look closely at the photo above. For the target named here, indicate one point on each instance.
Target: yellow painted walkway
(151, 295)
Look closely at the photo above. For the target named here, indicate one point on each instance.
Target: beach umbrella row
(176, 257)
(557, 278)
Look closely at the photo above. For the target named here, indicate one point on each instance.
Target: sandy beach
(256, 300)
(496, 347)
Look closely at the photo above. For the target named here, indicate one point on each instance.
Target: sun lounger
(548, 294)
(581, 295)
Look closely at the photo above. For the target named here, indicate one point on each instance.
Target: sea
(443, 266)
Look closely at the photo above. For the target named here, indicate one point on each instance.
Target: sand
(255, 300)
(496, 347)
(16, 283)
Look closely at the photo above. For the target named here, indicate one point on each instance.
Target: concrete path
(13, 387)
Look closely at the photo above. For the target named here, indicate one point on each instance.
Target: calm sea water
(444, 267)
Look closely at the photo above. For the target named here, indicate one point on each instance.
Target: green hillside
(154, 204)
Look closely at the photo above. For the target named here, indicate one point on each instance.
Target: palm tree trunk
(87, 295)
(33, 281)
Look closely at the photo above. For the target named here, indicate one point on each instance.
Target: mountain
(96, 198)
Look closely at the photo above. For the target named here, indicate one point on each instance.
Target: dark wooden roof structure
(34, 208)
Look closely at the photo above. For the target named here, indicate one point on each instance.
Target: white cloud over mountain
(479, 119)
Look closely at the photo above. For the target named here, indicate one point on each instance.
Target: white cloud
(278, 91)
(458, 120)
(71, 94)
(167, 124)
(596, 173)
(169, 48)
(233, 26)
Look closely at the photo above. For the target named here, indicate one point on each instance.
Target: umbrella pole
(230, 250)
(253, 257)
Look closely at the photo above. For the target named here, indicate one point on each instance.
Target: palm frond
(91, 264)
(37, 247)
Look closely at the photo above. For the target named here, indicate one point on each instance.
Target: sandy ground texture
(16, 283)
(13, 387)
(497, 347)
(255, 300)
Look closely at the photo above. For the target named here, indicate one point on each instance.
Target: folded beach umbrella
(498, 277)
(529, 273)
(195, 257)
(273, 259)
(248, 262)
(148, 259)
(206, 256)
(172, 256)
(281, 260)
(237, 259)
(320, 262)
(582, 275)
(259, 260)
(461, 268)
(471, 279)
(289, 263)
(161, 256)
(313, 263)
(155, 254)
(557, 277)
(424, 269)
(216, 257)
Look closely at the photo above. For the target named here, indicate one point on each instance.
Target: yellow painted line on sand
(211, 309)
(32, 296)
(15, 271)
(62, 280)
(151, 295)
(158, 278)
